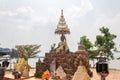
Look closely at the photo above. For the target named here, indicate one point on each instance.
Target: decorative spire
(62, 12)
(62, 27)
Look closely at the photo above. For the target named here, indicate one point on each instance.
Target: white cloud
(25, 10)
(82, 9)
(75, 13)
(18, 11)
(9, 13)
(111, 22)
(22, 18)
(39, 19)
(86, 6)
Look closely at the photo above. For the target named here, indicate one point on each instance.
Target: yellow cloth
(22, 60)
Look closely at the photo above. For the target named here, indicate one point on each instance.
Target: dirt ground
(113, 75)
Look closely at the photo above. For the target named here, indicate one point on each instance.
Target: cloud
(25, 10)
(23, 18)
(86, 6)
(9, 13)
(74, 13)
(82, 9)
(39, 19)
(22, 26)
(18, 11)
(108, 21)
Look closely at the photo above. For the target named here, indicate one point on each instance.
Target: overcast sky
(34, 21)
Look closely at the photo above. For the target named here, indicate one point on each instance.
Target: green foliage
(86, 42)
(105, 43)
(88, 46)
(92, 53)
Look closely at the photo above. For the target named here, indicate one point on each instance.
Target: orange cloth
(46, 75)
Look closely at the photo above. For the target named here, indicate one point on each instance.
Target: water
(114, 64)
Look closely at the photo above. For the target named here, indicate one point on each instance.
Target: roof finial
(62, 12)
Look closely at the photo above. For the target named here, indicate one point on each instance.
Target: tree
(27, 51)
(105, 43)
(86, 43)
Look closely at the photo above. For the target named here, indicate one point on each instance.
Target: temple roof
(62, 27)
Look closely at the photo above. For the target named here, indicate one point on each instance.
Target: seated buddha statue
(62, 46)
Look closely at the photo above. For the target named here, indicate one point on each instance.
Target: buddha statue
(62, 46)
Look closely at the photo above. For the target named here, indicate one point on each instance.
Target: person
(5, 63)
(2, 72)
(17, 75)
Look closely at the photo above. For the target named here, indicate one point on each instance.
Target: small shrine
(61, 55)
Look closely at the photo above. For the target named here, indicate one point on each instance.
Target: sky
(34, 21)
